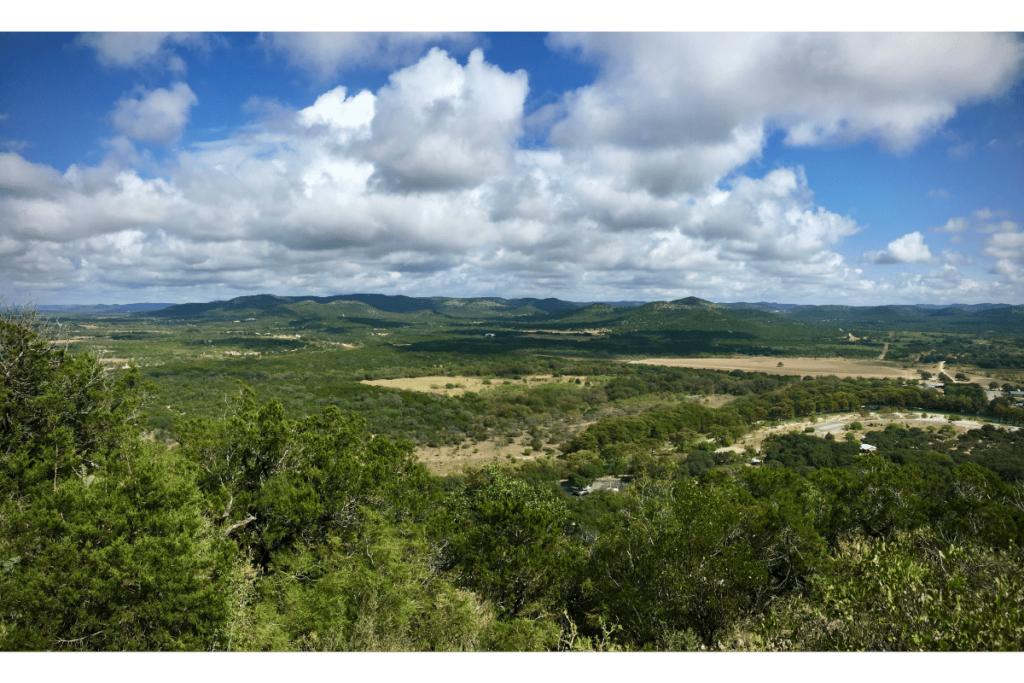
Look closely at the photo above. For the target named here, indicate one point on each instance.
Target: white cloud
(956, 258)
(323, 55)
(20, 177)
(771, 219)
(158, 115)
(907, 249)
(441, 126)
(958, 224)
(135, 50)
(1011, 270)
(1001, 226)
(657, 90)
(1007, 246)
(342, 113)
(983, 221)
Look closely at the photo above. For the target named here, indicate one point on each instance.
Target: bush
(103, 540)
(913, 592)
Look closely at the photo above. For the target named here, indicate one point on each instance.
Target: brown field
(473, 455)
(452, 459)
(840, 367)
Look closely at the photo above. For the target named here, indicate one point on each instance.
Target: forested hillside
(265, 527)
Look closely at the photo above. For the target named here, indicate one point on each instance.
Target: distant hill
(632, 314)
(386, 303)
(100, 309)
(967, 307)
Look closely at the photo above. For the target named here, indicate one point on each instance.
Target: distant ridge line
(400, 303)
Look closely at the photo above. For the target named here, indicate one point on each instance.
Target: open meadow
(840, 367)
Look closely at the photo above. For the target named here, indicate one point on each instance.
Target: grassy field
(840, 367)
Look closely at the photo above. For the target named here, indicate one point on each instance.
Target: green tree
(273, 482)
(514, 546)
(911, 592)
(679, 561)
(102, 540)
(380, 593)
(121, 559)
(59, 414)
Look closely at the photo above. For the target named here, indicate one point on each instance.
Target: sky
(858, 168)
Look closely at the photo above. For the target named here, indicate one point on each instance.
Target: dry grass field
(453, 459)
(840, 367)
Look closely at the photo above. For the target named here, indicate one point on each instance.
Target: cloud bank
(422, 187)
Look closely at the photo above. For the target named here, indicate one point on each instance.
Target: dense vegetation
(280, 525)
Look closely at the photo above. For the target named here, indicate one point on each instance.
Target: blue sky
(854, 168)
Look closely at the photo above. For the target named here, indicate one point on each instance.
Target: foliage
(513, 545)
(912, 592)
(59, 414)
(275, 482)
(117, 560)
(102, 539)
(379, 594)
(677, 561)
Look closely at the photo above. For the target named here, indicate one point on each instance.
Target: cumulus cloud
(157, 115)
(339, 112)
(908, 249)
(441, 126)
(1001, 226)
(323, 55)
(1008, 248)
(958, 224)
(1011, 270)
(134, 50)
(771, 219)
(1006, 245)
(20, 177)
(956, 258)
(982, 221)
(672, 89)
